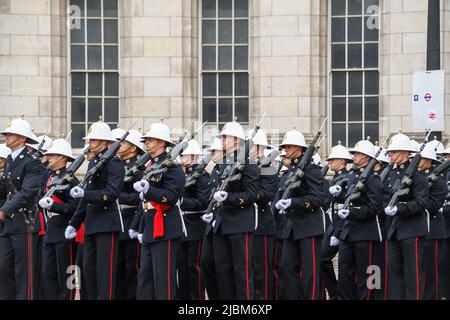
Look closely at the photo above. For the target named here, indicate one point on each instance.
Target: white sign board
(428, 101)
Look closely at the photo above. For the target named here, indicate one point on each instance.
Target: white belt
(125, 207)
(147, 206)
(52, 214)
(192, 212)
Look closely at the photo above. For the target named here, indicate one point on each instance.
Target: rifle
(325, 169)
(440, 169)
(402, 187)
(137, 166)
(266, 161)
(234, 172)
(158, 169)
(192, 179)
(38, 153)
(294, 181)
(355, 190)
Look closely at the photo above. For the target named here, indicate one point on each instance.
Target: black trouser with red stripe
(405, 269)
(18, 266)
(328, 279)
(433, 265)
(277, 279)
(79, 262)
(233, 259)
(100, 265)
(300, 268)
(190, 276)
(127, 269)
(445, 285)
(157, 275)
(263, 265)
(354, 260)
(56, 258)
(380, 251)
(209, 268)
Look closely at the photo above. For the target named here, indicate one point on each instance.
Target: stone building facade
(139, 60)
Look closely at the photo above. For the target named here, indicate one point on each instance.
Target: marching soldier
(360, 228)
(337, 160)
(207, 259)
(191, 285)
(4, 153)
(407, 225)
(235, 221)
(58, 253)
(18, 244)
(264, 238)
(304, 225)
(161, 224)
(99, 211)
(129, 247)
(434, 240)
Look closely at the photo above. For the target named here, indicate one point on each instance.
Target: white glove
(70, 233)
(133, 234)
(220, 196)
(141, 186)
(46, 203)
(141, 196)
(283, 204)
(77, 192)
(207, 217)
(334, 242)
(213, 223)
(140, 237)
(343, 214)
(441, 210)
(335, 190)
(391, 211)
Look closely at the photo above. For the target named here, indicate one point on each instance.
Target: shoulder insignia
(164, 199)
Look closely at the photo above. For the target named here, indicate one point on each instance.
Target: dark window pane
(241, 8)
(94, 109)
(77, 35)
(225, 33)
(77, 57)
(241, 84)
(355, 109)
(78, 84)
(209, 85)
(225, 110)
(338, 29)
(354, 56)
(110, 31)
(370, 31)
(371, 55)
(371, 109)
(95, 84)
(209, 110)
(209, 8)
(338, 7)
(94, 31)
(93, 8)
(338, 109)
(111, 58)
(78, 110)
(338, 56)
(224, 58)
(241, 31)
(241, 58)
(79, 4)
(76, 137)
(372, 131)
(111, 84)
(339, 83)
(368, 3)
(354, 29)
(355, 7)
(355, 83)
(338, 132)
(209, 32)
(111, 110)
(241, 109)
(355, 134)
(110, 8)
(209, 58)
(371, 85)
(225, 8)
(225, 84)
(94, 57)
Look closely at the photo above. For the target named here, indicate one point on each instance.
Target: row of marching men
(167, 228)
